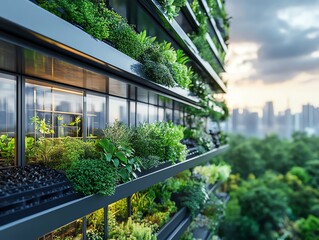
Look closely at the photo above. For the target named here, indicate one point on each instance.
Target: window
(7, 119)
(117, 110)
(142, 113)
(60, 111)
(96, 115)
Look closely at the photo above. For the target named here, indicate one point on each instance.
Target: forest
(273, 188)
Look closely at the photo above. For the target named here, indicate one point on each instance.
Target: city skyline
(284, 123)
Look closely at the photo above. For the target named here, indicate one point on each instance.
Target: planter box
(32, 192)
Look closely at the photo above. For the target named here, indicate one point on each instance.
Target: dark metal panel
(41, 223)
(169, 227)
(20, 122)
(180, 229)
(67, 41)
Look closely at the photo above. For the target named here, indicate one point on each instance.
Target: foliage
(7, 148)
(82, 12)
(272, 204)
(93, 177)
(119, 134)
(212, 173)
(95, 221)
(150, 162)
(172, 7)
(308, 228)
(132, 230)
(193, 196)
(42, 126)
(159, 73)
(160, 139)
(121, 158)
(60, 153)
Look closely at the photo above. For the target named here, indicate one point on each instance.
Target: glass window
(7, 119)
(177, 119)
(132, 92)
(132, 114)
(96, 115)
(142, 113)
(117, 110)
(161, 114)
(168, 114)
(117, 88)
(53, 112)
(153, 98)
(152, 113)
(7, 56)
(142, 95)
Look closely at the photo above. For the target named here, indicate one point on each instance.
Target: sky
(273, 54)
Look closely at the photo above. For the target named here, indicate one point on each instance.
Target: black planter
(25, 191)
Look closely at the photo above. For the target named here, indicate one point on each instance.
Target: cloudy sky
(273, 53)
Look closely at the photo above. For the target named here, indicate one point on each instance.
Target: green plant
(193, 196)
(119, 134)
(159, 139)
(93, 177)
(150, 162)
(82, 12)
(132, 230)
(42, 126)
(7, 148)
(60, 153)
(172, 7)
(121, 158)
(159, 73)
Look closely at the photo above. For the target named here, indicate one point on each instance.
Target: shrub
(82, 12)
(119, 134)
(132, 230)
(172, 7)
(159, 73)
(93, 177)
(193, 196)
(60, 153)
(159, 139)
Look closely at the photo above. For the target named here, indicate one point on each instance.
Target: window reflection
(132, 114)
(96, 115)
(7, 119)
(142, 95)
(60, 110)
(117, 88)
(168, 114)
(117, 110)
(142, 113)
(161, 114)
(152, 113)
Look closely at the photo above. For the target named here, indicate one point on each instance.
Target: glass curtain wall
(8, 115)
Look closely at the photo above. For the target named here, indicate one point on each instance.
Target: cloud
(286, 31)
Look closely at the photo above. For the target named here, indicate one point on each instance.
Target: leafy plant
(159, 139)
(172, 7)
(121, 158)
(193, 196)
(119, 134)
(7, 148)
(93, 177)
(82, 12)
(159, 73)
(42, 126)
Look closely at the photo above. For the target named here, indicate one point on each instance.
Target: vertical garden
(110, 124)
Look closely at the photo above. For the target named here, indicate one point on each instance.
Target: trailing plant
(121, 158)
(93, 177)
